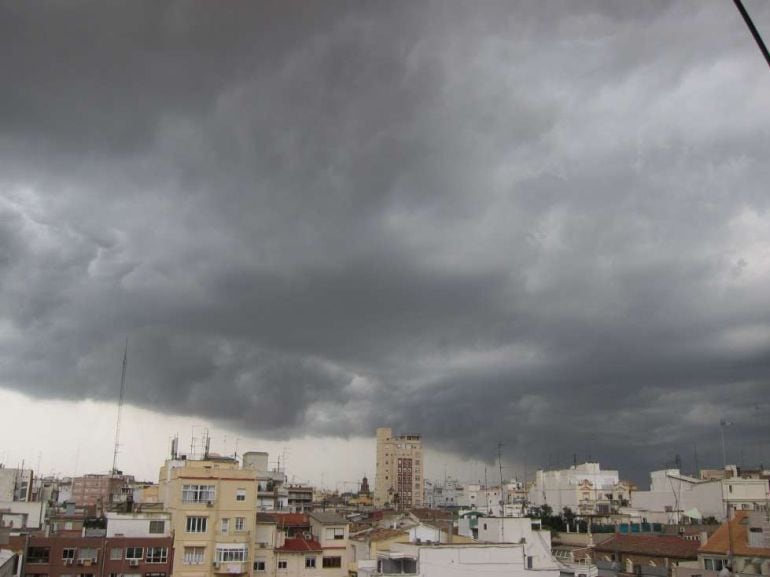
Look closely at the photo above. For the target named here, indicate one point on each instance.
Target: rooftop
(328, 518)
(652, 545)
(720, 540)
(379, 534)
(284, 519)
(300, 545)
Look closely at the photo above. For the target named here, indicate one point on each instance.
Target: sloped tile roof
(720, 540)
(300, 545)
(652, 545)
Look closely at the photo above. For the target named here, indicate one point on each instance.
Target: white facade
(18, 514)
(145, 524)
(673, 495)
(580, 488)
(462, 560)
(492, 501)
(15, 484)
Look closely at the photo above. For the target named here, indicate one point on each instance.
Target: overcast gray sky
(538, 223)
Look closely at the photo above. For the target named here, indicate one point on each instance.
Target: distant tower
(364, 486)
(120, 410)
(399, 479)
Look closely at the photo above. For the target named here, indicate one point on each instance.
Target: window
(331, 562)
(116, 554)
(134, 552)
(282, 564)
(157, 527)
(231, 553)
(259, 566)
(714, 564)
(194, 555)
(68, 553)
(336, 533)
(157, 554)
(38, 554)
(197, 524)
(198, 493)
(309, 562)
(224, 525)
(240, 523)
(87, 553)
(240, 495)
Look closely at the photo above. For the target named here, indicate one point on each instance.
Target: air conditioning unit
(216, 564)
(263, 545)
(209, 504)
(80, 561)
(68, 561)
(133, 563)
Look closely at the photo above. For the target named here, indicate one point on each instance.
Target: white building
(140, 524)
(585, 489)
(15, 484)
(673, 496)
(460, 560)
(18, 514)
(450, 493)
(491, 500)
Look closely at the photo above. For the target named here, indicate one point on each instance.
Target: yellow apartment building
(212, 502)
(318, 550)
(399, 479)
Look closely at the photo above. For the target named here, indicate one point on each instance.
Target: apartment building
(586, 489)
(314, 545)
(673, 496)
(399, 479)
(212, 502)
(130, 545)
(100, 490)
(15, 484)
(743, 544)
(457, 560)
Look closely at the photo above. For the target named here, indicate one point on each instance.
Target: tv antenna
(120, 409)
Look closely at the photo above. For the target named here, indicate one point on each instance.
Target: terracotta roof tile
(720, 540)
(300, 545)
(652, 545)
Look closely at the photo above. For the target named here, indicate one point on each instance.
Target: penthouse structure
(399, 479)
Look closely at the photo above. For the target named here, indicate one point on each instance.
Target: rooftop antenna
(697, 468)
(502, 488)
(120, 409)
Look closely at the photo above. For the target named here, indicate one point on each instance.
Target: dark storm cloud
(537, 223)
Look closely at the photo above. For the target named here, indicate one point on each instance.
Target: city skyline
(541, 224)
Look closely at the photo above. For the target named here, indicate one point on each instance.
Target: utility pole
(722, 424)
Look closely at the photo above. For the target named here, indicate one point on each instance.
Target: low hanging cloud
(543, 224)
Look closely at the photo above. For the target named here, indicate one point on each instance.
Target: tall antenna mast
(120, 409)
(502, 489)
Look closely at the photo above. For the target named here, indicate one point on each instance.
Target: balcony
(230, 568)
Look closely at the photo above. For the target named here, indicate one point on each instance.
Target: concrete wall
(33, 512)
(138, 525)
(471, 560)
